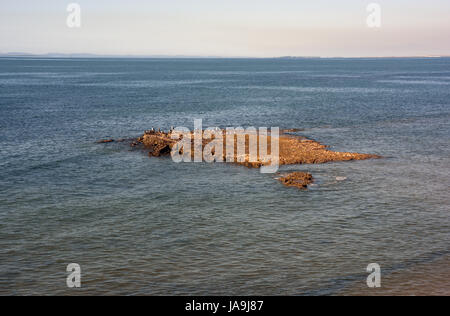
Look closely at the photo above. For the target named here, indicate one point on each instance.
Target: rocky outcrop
(158, 143)
(297, 179)
(292, 150)
(105, 141)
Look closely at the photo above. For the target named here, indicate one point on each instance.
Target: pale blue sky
(260, 28)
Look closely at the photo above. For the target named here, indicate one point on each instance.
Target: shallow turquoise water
(149, 226)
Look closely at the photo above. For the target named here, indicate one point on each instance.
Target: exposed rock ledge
(297, 179)
(292, 150)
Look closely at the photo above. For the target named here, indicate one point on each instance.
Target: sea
(149, 226)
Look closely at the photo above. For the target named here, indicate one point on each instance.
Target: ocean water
(140, 225)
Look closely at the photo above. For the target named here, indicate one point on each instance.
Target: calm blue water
(149, 226)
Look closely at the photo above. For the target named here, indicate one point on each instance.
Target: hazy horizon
(90, 55)
(227, 29)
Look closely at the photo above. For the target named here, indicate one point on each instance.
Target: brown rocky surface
(297, 179)
(293, 130)
(105, 141)
(292, 150)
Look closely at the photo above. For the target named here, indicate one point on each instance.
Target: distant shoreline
(99, 56)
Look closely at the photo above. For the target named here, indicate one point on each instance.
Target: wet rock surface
(158, 143)
(105, 141)
(297, 179)
(293, 130)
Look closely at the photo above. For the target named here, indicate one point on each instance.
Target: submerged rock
(293, 130)
(105, 141)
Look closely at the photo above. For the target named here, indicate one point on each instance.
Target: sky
(227, 28)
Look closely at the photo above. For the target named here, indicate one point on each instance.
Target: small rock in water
(297, 179)
(293, 130)
(105, 141)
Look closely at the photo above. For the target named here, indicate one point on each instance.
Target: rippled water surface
(149, 226)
